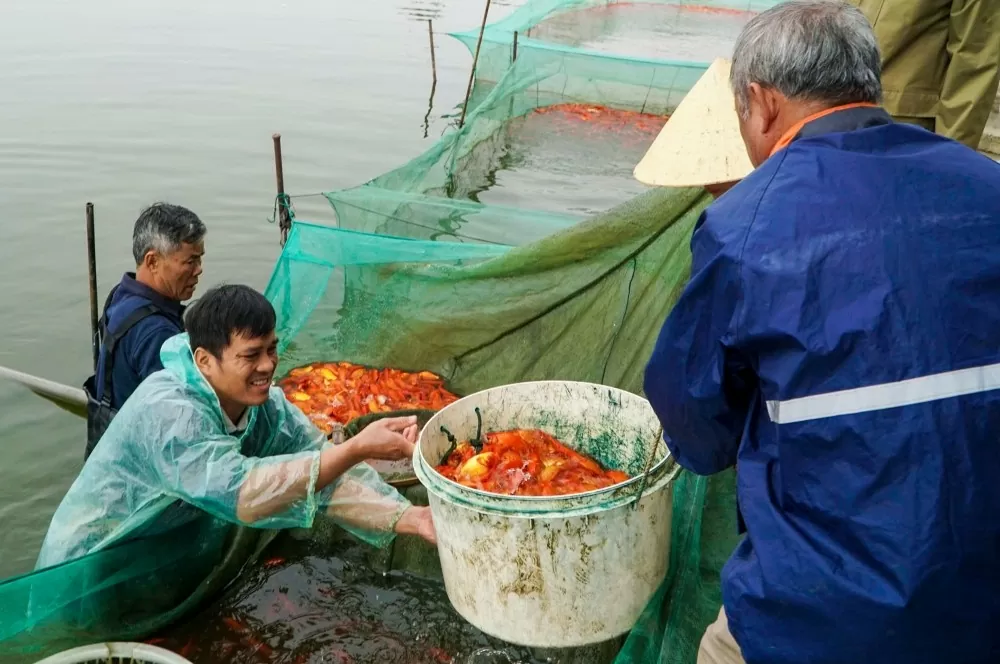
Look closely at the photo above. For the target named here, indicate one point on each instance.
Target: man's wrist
(336, 460)
(404, 524)
(354, 449)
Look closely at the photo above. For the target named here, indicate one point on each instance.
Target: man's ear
(203, 360)
(767, 102)
(762, 105)
(150, 259)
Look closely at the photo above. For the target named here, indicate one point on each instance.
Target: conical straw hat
(701, 143)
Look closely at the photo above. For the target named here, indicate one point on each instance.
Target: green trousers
(940, 62)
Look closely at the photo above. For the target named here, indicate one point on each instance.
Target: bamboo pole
(434, 79)
(92, 279)
(475, 61)
(430, 33)
(284, 222)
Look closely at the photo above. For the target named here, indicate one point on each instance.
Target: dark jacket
(138, 352)
(837, 342)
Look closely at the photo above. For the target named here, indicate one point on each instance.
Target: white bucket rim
(144, 652)
(426, 471)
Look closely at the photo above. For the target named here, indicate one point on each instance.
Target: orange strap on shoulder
(787, 137)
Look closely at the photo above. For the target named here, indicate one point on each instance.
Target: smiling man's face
(242, 376)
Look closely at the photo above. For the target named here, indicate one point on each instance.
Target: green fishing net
(574, 127)
(125, 592)
(592, 34)
(584, 303)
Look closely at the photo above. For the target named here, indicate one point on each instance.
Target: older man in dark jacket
(144, 309)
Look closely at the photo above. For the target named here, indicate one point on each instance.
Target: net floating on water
(526, 462)
(332, 393)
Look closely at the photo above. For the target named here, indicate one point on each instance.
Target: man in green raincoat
(940, 61)
(209, 435)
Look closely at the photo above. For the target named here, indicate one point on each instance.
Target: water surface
(648, 30)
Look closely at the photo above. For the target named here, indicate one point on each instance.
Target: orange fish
(331, 393)
(526, 462)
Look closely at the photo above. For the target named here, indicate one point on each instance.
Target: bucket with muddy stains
(554, 571)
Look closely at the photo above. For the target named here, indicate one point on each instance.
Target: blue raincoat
(170, 456)
(839, 343)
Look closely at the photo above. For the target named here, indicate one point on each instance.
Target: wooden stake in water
(434, 69)
(284, 221)
(434, 79)
(475, 61)
(92, 278)
(513, 55)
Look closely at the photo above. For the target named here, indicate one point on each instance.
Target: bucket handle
(649, 464)
(477, 442)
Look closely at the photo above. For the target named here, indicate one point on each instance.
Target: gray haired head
(809, 50)
(164, 228)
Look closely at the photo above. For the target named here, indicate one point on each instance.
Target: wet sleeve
(359, 501)
(697, 381)
(208, 470)
(296, 432)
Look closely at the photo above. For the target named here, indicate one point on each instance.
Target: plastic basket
(115, 653)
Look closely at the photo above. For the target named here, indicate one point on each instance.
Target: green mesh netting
(440, 194)
(704, 534)
(592, 32)
(584, 303)
(125, 592)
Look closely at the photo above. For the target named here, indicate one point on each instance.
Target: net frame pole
(513, 55)
(284, 222)
(434, 79)
(475, 62)
(434, 70)
(92, 280)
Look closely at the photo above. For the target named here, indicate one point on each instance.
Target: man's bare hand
(417, 521)
(388, 439)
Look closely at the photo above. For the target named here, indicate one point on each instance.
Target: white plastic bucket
(119, 653)
(554, 572)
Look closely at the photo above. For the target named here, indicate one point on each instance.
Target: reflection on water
(570, 158)
(648, 31)
(489, 656)
(422, 11)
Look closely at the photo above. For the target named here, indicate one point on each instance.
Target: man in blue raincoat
(209, 434)
(839, 343)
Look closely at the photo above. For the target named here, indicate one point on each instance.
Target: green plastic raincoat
(167, 459)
